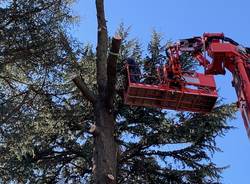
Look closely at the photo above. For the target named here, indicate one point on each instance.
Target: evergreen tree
(49, 132)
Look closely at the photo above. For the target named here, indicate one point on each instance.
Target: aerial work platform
(170, 86)
(194, 92)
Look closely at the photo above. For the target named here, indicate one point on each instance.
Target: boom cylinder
(243, 93)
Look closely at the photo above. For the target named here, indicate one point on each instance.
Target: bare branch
(16, 109)
(87, 94)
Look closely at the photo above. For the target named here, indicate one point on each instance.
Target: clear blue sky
(180, 19)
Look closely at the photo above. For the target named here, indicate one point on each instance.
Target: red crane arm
(225, 53)
(191, 91)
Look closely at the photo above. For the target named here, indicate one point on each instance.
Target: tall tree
(105, 147)
(50, 133)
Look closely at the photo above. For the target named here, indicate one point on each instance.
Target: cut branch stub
(111, 69)
(94, 130)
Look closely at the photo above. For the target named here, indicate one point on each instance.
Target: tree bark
(105, 147)
(111, 69)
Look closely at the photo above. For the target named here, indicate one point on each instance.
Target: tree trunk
(105, 148)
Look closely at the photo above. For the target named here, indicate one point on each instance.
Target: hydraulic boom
(224, 53)
(188, 90)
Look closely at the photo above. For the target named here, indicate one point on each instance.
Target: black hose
(231, 41)
(247, 49)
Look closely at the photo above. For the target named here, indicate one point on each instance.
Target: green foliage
(44, 121)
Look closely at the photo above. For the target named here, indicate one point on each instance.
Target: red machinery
(188, 90)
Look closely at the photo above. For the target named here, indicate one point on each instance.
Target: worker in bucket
(134, 70)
